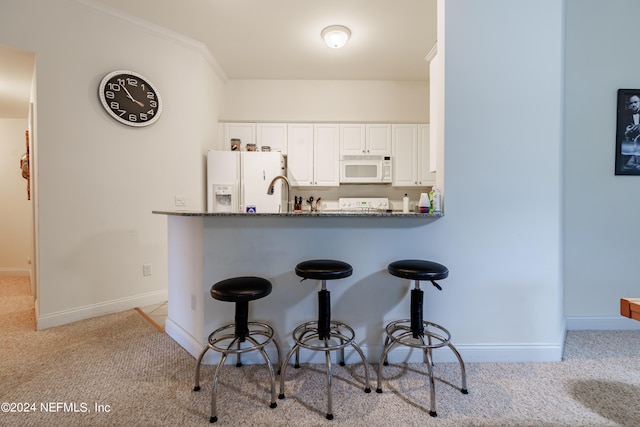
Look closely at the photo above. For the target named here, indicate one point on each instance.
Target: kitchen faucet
(271, 189)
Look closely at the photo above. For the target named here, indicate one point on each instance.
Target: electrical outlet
(193, 302)
(146, 269)
(180, 201)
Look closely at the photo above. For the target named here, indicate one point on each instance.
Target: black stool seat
(241, 289)
(417, 269)
(324, 269)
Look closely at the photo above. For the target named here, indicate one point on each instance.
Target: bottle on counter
(405, 204)
(436, 200)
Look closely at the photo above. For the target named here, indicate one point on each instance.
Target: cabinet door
(378, 139)
(273, 135)
(246, 132)
(352, 139)
(326, 164)
(425, 176)
(405, 159)
(300, 154)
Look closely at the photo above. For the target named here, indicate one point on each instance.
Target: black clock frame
(130, 98)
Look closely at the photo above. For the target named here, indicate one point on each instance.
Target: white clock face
(130, 98)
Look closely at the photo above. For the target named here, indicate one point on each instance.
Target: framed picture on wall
(628, 132)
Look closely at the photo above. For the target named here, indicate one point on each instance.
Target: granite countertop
(394, 214)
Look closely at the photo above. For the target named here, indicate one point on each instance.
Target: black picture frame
(628, 132)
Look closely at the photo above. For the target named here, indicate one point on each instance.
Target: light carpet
(118, 370)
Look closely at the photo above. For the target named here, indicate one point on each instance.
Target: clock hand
(131, 97)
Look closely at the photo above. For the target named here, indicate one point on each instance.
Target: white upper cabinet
(361, 139)
(300, 156)
(352, 139)
(273, 135)
(246, 132)
(405, 159)
(326, 153)
(425, 164)
(313, 151)
(379, 139)
(411, 154)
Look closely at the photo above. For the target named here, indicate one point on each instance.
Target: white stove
(363, 204)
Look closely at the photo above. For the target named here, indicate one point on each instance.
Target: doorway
(17, 253)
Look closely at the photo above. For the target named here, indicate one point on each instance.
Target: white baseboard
(609, 323)
(399, 354)
(80, 313)
(14, 271)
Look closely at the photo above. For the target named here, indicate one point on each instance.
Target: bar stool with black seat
(324, 334)
(241, 336)
(412, 332)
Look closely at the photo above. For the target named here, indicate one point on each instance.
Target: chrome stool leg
(399, 332)
(415, 332)
(327, 357)
(323, 334)
(215, 342)
(214, 407)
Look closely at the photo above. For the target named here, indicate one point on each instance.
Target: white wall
(16, 213)
(601, 209)
(98, 180)
(326, 100)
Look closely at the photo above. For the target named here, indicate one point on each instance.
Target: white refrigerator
(237, 181)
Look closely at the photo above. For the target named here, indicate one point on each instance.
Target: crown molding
(160, 31)
(432, 53)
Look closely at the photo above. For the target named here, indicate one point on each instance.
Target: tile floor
(157, 313)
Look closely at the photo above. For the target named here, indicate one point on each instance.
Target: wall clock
(130, 98)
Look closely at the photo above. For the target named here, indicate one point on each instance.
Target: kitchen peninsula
(204, 248)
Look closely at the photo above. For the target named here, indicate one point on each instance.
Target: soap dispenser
(424, 203)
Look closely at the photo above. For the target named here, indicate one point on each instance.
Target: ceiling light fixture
(336, 36)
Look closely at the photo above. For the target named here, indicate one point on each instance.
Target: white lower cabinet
(410, 145)
(313, 154)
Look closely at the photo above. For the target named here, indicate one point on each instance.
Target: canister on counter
(235, 144)
(251, 209)
(251, 147)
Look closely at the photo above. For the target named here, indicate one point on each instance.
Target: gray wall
(600, 209)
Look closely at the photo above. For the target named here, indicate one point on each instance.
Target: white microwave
(365, 169)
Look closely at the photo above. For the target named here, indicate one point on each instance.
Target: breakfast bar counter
(323, 213)
(204, 248)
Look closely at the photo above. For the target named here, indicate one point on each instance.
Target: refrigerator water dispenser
(223, 199)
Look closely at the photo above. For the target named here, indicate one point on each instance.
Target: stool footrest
(310, 331)
(401, 332)
(222, 340)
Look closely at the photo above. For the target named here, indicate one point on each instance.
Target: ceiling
(280, 39)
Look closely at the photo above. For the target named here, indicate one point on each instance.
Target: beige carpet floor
(119, 370)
